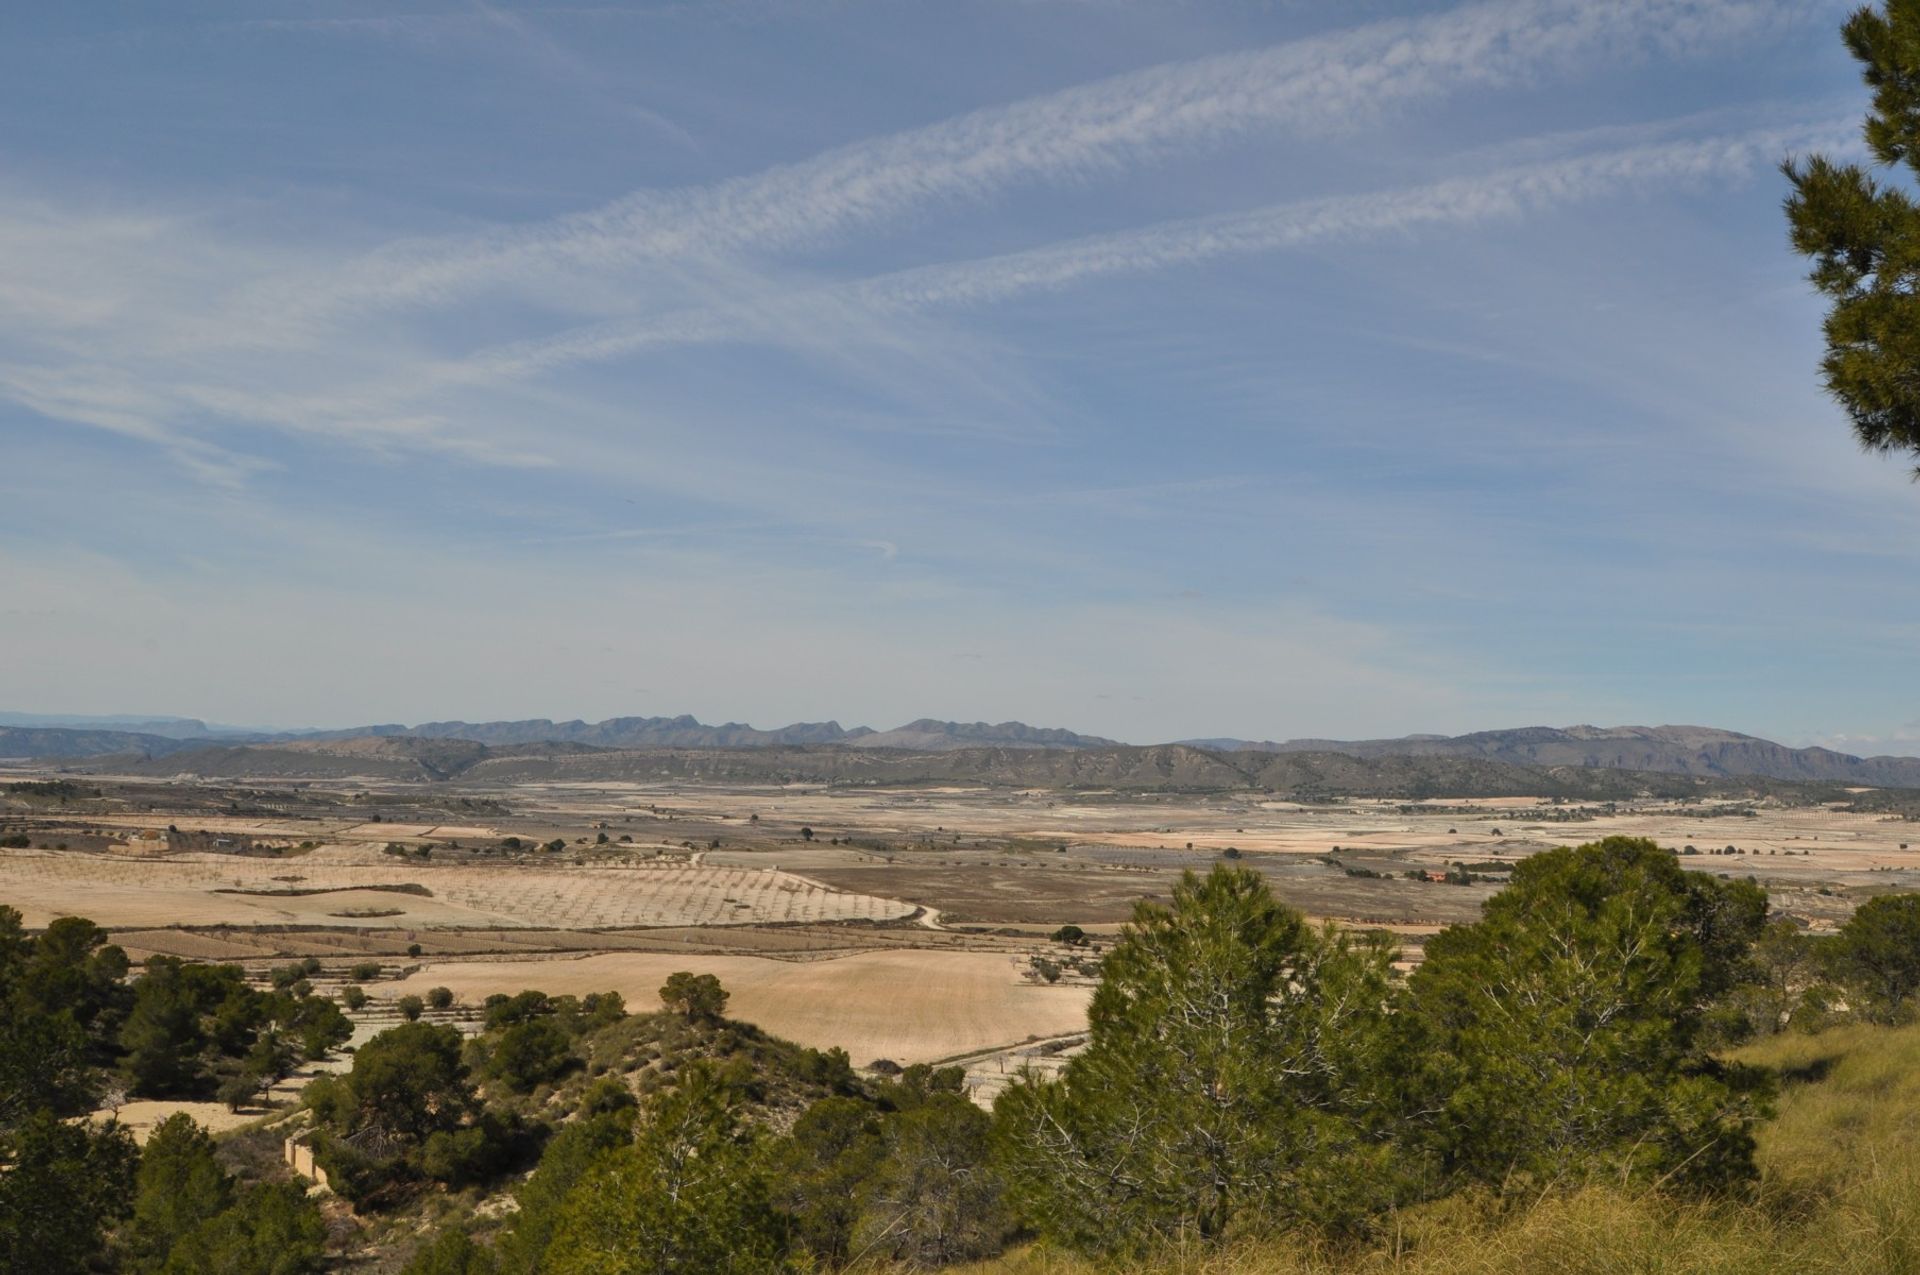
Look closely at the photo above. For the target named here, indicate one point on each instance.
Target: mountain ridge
(1682, 750)
(165, 736)
(1151, 768)
(1699, 751)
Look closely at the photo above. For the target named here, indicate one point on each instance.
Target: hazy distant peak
(928, 735)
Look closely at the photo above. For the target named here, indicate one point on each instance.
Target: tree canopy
(1878, 951)
(61, 1182)
(1230, 1077)
(1861, 229)
(689, 1194)
(698, 996)
(1561, 1037)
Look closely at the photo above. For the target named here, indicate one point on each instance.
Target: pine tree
(1231, 1082)
(1878, 952)
(1562, 1038)
(1863, 233)
(690, 1195)
(180, 1186)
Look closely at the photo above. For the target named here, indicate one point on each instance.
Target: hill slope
(1678, 750)
(1164, 768)
(59, 743)
(1696, 751)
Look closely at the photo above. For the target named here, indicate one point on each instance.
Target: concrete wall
(299, 1157)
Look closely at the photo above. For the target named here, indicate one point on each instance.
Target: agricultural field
(907, 1006)
(898, 923)
(146, 892)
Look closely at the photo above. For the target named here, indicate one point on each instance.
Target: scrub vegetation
(1622, 1065)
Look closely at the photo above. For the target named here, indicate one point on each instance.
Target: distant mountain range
(1697, 751)
(168, 727)
(1161, 768)
(53, 737)
(1674, 750)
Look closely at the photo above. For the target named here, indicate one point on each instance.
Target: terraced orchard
(205, 890)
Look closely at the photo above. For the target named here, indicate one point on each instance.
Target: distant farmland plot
(201, 891)
(910, 1006)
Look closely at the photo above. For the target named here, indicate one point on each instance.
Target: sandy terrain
(907, 1006)
(141, 1117)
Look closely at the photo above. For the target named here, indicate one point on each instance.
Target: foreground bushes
(1253, 1085)
(1837, 1193)
(1249, 1080)
(1248, 1075)
(1551, 1090)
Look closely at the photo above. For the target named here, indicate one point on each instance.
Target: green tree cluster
(1234, 1071)
(1247, 1073)
(189, 1215)
(1563, 1037)
(532, 1038)
(405, 1114)
(191, 1025)
(62, 1182)
(698, 997)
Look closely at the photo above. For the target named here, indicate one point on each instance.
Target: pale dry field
(910, 1006)
(1013, 864)
(341, 829)
(1458, 827)
(184, 890)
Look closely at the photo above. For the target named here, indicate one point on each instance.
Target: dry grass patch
(910, 1006)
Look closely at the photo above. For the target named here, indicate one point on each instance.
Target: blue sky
(1153, 369)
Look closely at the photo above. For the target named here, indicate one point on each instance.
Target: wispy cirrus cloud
(1462, 201)
(399, 401)
(179, 325)
(1320, 85)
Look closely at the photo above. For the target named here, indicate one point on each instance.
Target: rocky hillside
(404, 760)
(925, 734)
